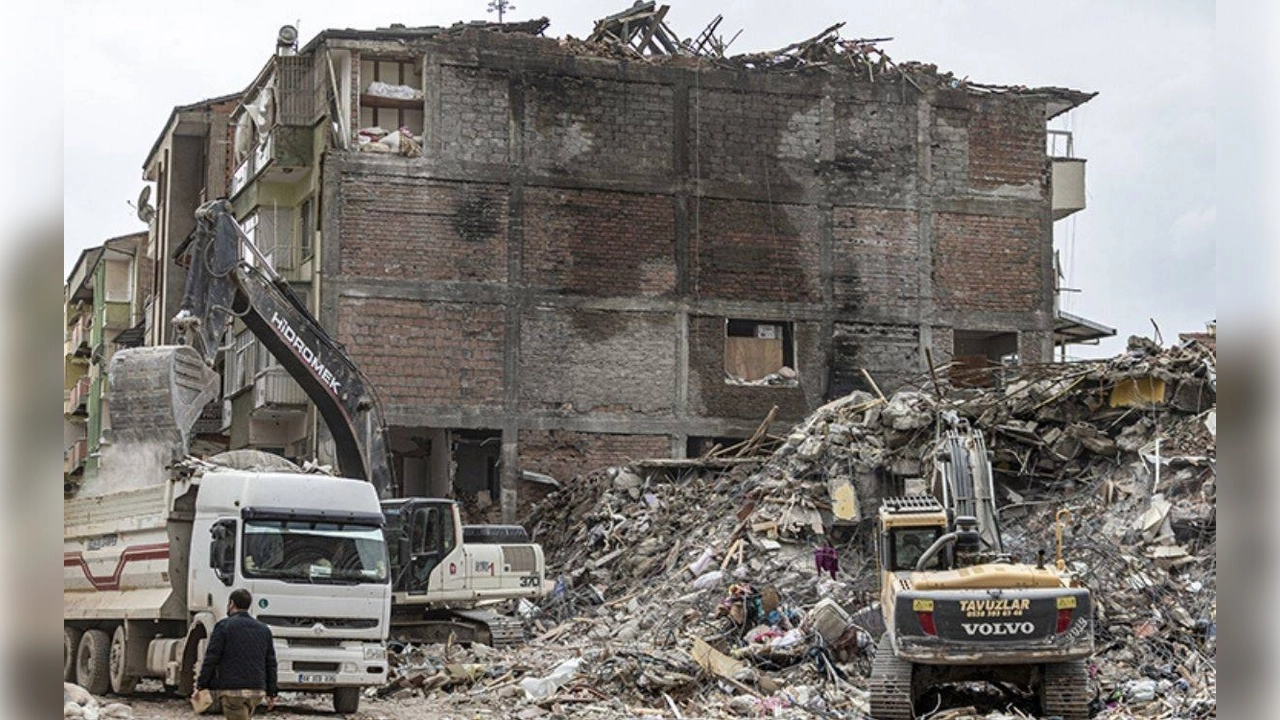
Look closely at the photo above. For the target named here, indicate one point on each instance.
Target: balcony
(291, 261)
(76, 398)
(74, 456)
(78, 337)
(283, 155)
(1068, 175)
(116, 316)
(275, 393)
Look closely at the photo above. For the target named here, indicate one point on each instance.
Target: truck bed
(116, 556)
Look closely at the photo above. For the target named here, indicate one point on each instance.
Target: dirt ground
(291, 706)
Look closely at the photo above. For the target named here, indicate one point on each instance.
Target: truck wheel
(70, 645)
(890, 685)
(1064, 690)
(346, 700)
(92, 662)
(121, 683)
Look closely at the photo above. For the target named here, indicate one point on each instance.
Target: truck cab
(311, 551)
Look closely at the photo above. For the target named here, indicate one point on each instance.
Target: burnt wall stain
(478, 217)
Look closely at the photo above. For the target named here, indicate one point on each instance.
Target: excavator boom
(158, 385)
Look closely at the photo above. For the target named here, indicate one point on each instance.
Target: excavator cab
(420, 533)
(909, 525)
(907, 544)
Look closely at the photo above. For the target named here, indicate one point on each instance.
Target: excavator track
(890, 684)
(463, 626)
(504, 631)
(1065, 690)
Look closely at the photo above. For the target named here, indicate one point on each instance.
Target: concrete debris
(79, 704)
(640, 33)
(401, 141)
(743, 583)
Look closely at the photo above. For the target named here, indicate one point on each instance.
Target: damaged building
(553, 255)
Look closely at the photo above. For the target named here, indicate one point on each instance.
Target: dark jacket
(239, 656)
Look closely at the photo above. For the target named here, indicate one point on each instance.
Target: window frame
(751, 328)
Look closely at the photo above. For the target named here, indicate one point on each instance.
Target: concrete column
(926, 309)
(416, 476)
(441, 471)
(510, 474)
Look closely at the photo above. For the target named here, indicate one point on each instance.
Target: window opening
(759, 352)
(306, 221)
(979, 356)
(391, 100)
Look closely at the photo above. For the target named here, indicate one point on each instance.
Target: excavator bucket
(156, 394)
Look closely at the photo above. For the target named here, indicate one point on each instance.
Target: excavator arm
(223, 283)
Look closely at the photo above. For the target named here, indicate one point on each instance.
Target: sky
(1142, 255)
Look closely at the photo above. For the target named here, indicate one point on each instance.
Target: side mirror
(222, 551)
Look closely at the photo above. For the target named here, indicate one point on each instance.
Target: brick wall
(753, 137)
(426, 353)
(589, 242)
(413, 229)
(711, 396)
(875, 151)
(580, 361)
(477, 108)
(982, 262)
(949, 151)
(944, 342)
(756, 251)
(777, 165)
(1007, 145)
(593, 128)
(889, 353)
(875, 263)
(565, 455)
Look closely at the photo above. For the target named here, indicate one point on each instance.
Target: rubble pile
(641, 33)
(744, 584)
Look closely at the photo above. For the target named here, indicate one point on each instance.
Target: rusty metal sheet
(1138, 392)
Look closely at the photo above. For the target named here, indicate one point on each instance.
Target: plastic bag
(538, 688)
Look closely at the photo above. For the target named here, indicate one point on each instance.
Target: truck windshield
(310, 551)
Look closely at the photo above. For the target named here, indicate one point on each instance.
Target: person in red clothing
(239, 661)
(826, 558)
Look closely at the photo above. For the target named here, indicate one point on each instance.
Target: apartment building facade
(551, 260)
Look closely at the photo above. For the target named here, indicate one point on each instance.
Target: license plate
(316, 678)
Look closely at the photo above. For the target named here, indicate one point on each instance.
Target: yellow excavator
(957, 608)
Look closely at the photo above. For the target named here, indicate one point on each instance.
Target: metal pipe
(1057, 519)
(933, 549)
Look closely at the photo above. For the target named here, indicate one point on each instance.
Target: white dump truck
(148, 569)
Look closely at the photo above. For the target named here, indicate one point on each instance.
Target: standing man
(240, 660)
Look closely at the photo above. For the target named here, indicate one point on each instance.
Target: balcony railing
(78, 336)
(273, 389)
(283, 153)
(74, 456)
(1068, 174)
(290, 260)
(77, 398)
